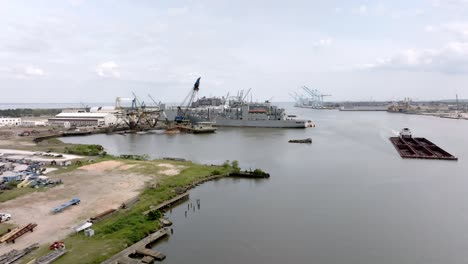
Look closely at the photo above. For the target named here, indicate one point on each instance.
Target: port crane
(182, 109)
(137, 116)
(317, 97)
(158, 105)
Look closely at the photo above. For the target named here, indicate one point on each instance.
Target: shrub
(258, 172)
(235, 166)
(226, 164)
(85, 150)
(135, 157)
(13, 183)
(215, 172)
(154, 215)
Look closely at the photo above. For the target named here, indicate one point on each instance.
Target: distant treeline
(24, 112)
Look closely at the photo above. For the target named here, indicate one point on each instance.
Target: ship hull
(220, 121)
(260, 123)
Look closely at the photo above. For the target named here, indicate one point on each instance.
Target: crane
(317, 97)
(154, 101)
(246, 94)
(159, 105)
(185, 105)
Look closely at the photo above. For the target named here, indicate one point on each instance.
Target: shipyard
(143, 132)
(36, 161)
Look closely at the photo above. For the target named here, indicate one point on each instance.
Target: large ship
(258, 115)
(237, 113)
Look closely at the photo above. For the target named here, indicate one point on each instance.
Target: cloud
(429, 28)
(449, 3)
(23, 72)
(33, 71)
(452, 58)
(76, 2)
(361, 10)
(177, 11)
(325, 42)
(419, 12)
(458, 28)
(108, 69)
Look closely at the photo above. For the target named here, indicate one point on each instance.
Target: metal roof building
(84, 119)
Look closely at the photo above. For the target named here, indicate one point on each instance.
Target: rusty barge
(418, 147)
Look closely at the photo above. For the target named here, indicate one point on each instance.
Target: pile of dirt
(170, 170)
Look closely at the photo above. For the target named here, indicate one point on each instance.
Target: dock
(419, 148)
(150, 253)
(140, 248)
(169, 203)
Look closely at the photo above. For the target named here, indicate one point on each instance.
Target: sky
(93, 51)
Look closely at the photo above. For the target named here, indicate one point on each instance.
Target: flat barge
(419, 148)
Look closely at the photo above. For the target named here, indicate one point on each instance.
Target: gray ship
(258, 115)
(238, 113)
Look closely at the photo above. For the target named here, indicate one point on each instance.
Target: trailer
(64, 206)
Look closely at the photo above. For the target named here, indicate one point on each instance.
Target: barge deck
(419, 148)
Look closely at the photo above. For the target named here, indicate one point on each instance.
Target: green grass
(5, 226)
(17, 192)
(85, 150)
(129, 226)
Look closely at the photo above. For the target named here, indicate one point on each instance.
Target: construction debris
(15, 255)
(51, 257)
(102, 215)
(57, 245)
(11, 236)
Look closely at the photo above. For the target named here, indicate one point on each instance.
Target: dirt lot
(9, 136)
(170, 170)
(100, 187)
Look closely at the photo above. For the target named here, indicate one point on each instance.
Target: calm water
(346, 198)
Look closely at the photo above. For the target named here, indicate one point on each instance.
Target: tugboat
(405, 133)
(203, 127)
(199, 128)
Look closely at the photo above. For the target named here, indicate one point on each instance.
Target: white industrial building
(33, 123)
(10, 121)
(79, 119)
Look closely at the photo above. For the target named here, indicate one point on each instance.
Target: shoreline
(115, 233)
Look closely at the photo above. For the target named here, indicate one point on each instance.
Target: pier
(140, 249)
(169, 203)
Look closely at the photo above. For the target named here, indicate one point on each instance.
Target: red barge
(418, 148)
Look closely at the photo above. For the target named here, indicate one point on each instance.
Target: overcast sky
(93, 51)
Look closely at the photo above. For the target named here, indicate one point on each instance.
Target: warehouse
(10, 121)
(83, 119)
